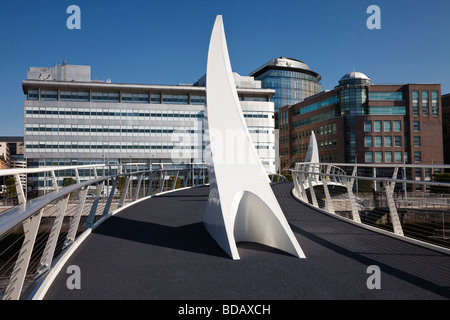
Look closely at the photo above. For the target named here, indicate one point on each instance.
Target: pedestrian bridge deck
(159, 249)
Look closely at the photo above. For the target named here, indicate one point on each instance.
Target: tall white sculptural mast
(241, 204)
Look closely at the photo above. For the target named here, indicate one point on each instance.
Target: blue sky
(166, 42)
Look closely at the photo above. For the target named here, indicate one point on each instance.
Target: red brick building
(366, 123)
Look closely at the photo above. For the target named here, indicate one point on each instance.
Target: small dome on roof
(355, 75)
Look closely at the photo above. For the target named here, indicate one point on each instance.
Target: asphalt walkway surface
(159, 249)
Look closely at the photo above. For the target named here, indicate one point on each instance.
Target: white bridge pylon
(241, 204)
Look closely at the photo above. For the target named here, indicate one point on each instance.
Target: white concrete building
(70, 119)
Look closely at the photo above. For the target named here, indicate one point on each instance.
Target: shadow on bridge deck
(159, 249)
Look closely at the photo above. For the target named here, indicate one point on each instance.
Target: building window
(74, 96)
(367, 126)
(415, 103)
(397, 141)
(388, 141)
(377, 126)
(369, 157)
(434, 103)
(175, 99)
(105, 97)
(425, 103)
(387, 126)
(397, 126)
(198, 100)
(33, 95)
(417, 156)
(388, 156)
(416, 126)
(416, 141)
(49, 95)
(386, 96)
(398, 156)
(135, 97)
(368, 141)
(378, 141)
(155, 98)
(390, 111)
(378, 156)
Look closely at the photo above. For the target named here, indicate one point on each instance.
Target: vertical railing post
(75, 221)
(163, 179)
(351, 196)
(302, 186)
(50, 247)
(175, 180)
(21, 198)
(111, 195)
(330, 206)
(15, 284)
(186, 177)
(93, 211)
(54, 181)
(138, 187)
(296, 184)
(389, 189)
(150, 184)
(311, 191)
(124, 192)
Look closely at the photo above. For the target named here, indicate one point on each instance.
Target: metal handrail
(307, 185)
(29, 213)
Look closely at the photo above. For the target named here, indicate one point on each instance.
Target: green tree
(121, 184)
(11, 192)
(68, 181)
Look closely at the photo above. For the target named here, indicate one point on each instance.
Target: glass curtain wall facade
(292, 80)
(291, 87)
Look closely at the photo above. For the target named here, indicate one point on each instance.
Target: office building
(292, 80)
(362, 122)
(12, 157)
(73, 120)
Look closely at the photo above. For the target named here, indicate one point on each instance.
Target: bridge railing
(38, 224)
(408, 200)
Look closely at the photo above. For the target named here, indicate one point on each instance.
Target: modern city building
(292, 80)
(12, 157)
(362, 122)
(71, 119)
(446, 126)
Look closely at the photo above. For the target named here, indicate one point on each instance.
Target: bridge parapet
(381, 195)
(37, 226)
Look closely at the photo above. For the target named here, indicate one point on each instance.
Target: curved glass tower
(292, 80)
(353, 94)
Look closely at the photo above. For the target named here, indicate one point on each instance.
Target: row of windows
(38, 129)
(389, 156)
(314, 119)
(85, 146)
(388, 111)
(82, 113)
(425, 103)
(84, 96)
(317, 105)
(389, 141)
(386, 126)
(385, 96)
